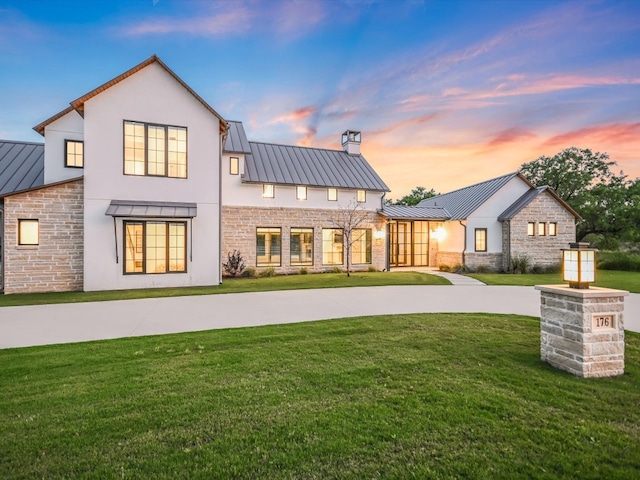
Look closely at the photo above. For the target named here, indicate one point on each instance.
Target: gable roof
(528, 197)
(78, 104)
(236, 141)
(463, 202)
(21, 166)
(407, 212)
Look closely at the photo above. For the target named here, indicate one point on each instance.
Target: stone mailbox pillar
(582, 331)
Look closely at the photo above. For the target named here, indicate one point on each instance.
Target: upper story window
(553, 229)
(542, 229)
(301, 193)
(361, 196)
(531, 229)
(332, 194)
(234, 165)
(481, 240)
(268, 190)
(28, 232)
(155, 150)
(73, 153)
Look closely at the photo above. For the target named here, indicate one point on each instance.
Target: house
(127, 193)
(487, 224)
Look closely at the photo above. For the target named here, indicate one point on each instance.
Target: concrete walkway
(79, 322)
(454, 278)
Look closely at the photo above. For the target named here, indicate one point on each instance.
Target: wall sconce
(579, 265)
(438, 234)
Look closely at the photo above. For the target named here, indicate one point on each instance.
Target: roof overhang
(138, 209)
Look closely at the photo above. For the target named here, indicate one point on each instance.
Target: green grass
(605, 278)
(235, 285)
(407, 396)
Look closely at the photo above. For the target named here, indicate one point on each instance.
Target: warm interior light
(438, 234)
(579, 265)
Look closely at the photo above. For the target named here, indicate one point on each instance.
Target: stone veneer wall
(539, 250)
(493, 261)
(56, 264)
(448, 258)
(239, 226)
(582, 331)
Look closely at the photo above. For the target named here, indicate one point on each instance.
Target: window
(155, 247)
(234, 165)
(553, 229)
(268, 247)
(332, 246)
(531, 229)
(268, 191)
(28, 232)
(361, 196)
(73, 154)
(301, 193)
(361, 248)
(301, 246)
(542, 229)
(155, 150)
(332, 194)
(481, 240)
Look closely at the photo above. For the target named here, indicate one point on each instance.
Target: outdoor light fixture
(579, 265)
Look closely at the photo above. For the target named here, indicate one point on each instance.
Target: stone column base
(582, 331)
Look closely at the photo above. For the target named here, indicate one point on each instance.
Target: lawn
(235, 285)
(629, 281)
(407, 396)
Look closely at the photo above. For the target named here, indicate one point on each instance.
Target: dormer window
(361, 196)
(268, 190)
(301, 193)
(74, 153)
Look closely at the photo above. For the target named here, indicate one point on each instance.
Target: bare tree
(349, 219)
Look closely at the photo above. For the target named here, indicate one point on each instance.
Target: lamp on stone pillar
(579, 265)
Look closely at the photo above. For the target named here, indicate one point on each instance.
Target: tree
(415, 197)
(349, 219)
(585, 181)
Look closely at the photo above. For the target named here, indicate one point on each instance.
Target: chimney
(351, 142)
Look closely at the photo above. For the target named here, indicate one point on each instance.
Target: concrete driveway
(78, 322)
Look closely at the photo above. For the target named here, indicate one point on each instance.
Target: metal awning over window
(133, 208)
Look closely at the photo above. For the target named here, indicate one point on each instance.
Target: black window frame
(475, 240)
(146, 149)
(31, 220)
(144, 246)
(233, 164)
(67, 141)
(313, 247)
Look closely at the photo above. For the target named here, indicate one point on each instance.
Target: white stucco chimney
(351, 142)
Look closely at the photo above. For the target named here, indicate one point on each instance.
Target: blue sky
(446, 93)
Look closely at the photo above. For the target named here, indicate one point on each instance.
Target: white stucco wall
(153, 96)
(487, 215)
(67, 127)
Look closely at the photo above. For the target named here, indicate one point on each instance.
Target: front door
(400, 248)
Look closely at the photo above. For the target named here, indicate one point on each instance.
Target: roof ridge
(22, 142)
(513, 174)
(302, 146)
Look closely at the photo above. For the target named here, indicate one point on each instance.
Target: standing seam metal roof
(406, 212)
(463, 202)
(21, 166)
(236, 139)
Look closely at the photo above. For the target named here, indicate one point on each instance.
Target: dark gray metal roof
(519, 204)
(236, 139)
(21, 166)
(463, 202)
(406, 212)
(134, 208)
(316, 167)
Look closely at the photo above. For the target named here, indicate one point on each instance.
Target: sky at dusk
(446, 93)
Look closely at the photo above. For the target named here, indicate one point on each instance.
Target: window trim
(554, 229)
(21, 221)
(67, 141)
(475, 240)
(531, 229)
(144, 246)
(270, 263)
(369, 246)
(329, 190)
(234, 166)
(333, 243)
(166, 128)
(265, 190)
(361, 193)
(302, 264)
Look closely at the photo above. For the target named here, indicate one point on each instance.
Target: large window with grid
(268, 247)
(332, 246)
(301, 246)
(481, 240)
(155, 247)
(361, 247)
(155, 150)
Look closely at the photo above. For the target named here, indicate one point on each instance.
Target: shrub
(336, 270)
(372, 269)
(537, 269)
(483, 268)
(459, 268)
(520, 264)
(250, 273)
(556, 268)
(303, 271)
(444, 268)
(235, 263)
(267, 272)
(625, 261)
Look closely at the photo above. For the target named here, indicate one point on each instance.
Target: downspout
(464, 249)
(223, 139)
(387, 245)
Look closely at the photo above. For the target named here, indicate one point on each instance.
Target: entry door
(400, 233)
